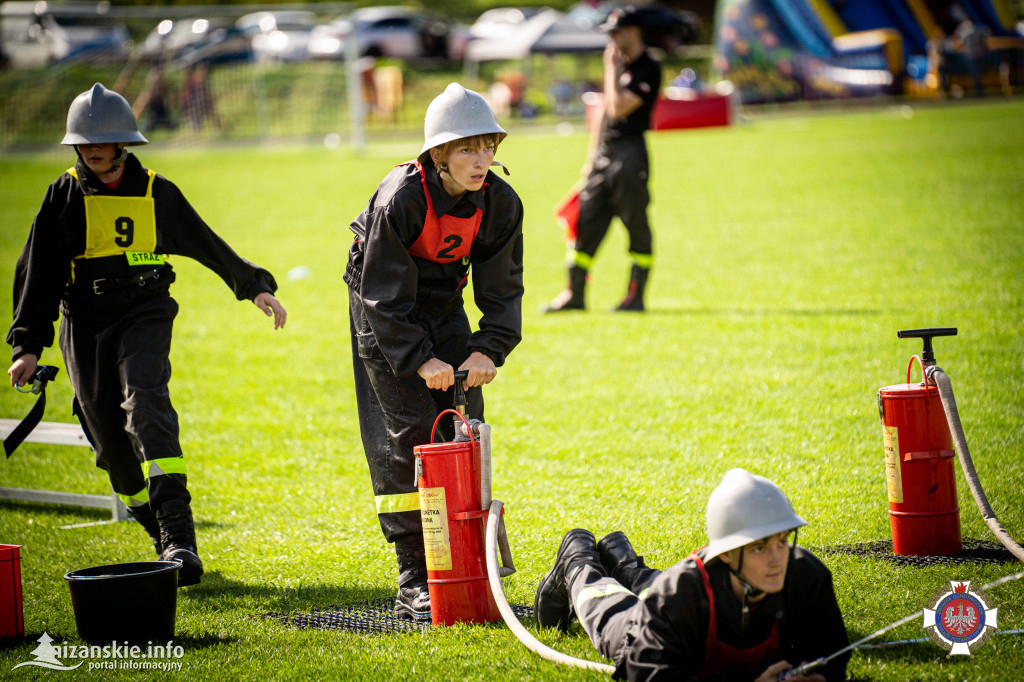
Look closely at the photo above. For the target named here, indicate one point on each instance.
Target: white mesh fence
(190, 73)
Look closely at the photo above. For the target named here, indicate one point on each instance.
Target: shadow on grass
(85, 514)
(189, 642)
(764, 312)
(215, 589)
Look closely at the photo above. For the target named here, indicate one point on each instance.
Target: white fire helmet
(98, 116)
(745, 508)
(454, 114)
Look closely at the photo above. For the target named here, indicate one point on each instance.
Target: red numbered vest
(720, 656)
(446, 239)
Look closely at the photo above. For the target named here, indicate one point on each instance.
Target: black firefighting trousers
(606, 608)
(397, 413)
(119, 370)
(616, 186)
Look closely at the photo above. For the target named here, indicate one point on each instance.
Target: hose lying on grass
(528, 640)
(945, 387)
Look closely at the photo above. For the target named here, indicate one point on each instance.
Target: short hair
(483, 140)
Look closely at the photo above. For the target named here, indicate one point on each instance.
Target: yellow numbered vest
(121, 225)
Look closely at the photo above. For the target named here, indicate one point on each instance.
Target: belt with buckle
(107, 285)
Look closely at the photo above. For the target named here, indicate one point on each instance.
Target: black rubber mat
(974, 552)
(374, 617)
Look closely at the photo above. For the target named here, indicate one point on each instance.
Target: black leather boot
(619, 558)
(634, 300)
(552, 606)
(413, 600)
(178, 536)
(572, 297)
(145, 516)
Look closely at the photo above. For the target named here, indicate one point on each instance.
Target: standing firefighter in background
(426, 223)
(96, 253)
(749, 605)
(616, 170)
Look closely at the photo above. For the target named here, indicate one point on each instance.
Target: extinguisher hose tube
(485, 465)
(945, 387)
(528, 640)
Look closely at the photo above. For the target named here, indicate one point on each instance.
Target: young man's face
(99, 157)
(764, 562)
(468, 163)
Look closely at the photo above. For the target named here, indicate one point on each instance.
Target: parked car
(499, 23)
(666, 28)
(194, 40)
(281, 35)
(401, 32)
(38, 33)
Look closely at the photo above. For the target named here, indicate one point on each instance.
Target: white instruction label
(436, 544)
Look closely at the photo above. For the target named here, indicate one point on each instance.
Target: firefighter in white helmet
(428, 223)
(97, 253)
(749, 605)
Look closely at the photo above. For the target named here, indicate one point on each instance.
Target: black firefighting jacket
(668, 635)
(399, 288)
(45, 283)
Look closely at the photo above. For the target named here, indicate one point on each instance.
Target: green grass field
(789, 251)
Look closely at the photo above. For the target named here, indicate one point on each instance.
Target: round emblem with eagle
(960, 618)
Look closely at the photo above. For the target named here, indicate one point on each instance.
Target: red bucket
(12, 620)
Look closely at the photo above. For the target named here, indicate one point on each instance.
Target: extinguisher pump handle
(460, 392)
(926, 334)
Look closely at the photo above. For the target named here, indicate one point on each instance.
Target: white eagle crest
(960, 622)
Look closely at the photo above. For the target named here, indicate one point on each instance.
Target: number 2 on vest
(453, 241)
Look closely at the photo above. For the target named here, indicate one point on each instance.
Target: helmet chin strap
(121, 157)
(442, 170)
(751, 592)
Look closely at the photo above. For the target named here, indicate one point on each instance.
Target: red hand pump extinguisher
(923, 510)
(453, 479)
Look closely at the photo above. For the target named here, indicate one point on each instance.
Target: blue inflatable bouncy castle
(780, 50)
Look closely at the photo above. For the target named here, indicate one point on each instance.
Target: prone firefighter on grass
(749, 605)
(427, 223)
(96, 253)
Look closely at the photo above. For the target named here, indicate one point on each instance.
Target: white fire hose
(945, 387)
(521, 633)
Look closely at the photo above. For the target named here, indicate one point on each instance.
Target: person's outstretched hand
(271, 306)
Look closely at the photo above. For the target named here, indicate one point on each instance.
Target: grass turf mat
(375, 617)
(973, 552)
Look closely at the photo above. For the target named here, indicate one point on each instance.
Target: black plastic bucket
(132, 603)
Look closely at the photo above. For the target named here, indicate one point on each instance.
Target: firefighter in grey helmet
(749, 605)
(97, 253)
(431, 224)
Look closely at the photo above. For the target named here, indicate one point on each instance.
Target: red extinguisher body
(923, 510)
(454, 526)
